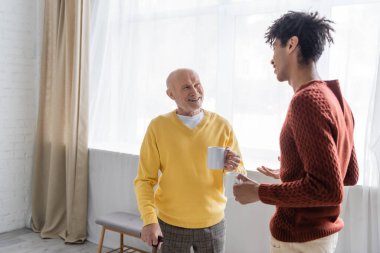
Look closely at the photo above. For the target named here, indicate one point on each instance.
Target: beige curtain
(60, 172)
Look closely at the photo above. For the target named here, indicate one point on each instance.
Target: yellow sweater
(188, 194)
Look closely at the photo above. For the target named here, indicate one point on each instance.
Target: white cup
(215, 158)
(230, 178)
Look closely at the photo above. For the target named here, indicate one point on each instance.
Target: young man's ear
(292, 43)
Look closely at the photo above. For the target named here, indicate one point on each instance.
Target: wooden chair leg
(121, 242)
(101, 239)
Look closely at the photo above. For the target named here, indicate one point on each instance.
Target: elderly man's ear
(170, 94)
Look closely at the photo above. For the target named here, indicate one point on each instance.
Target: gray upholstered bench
(123, 223)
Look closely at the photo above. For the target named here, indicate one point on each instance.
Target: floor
(26, 241)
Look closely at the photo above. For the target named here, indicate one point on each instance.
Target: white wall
(20, 38)
(111, 178)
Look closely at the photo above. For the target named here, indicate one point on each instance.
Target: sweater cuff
(150, 219)
(265, 194)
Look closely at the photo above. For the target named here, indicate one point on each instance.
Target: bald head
(177, 74)
(184, 87)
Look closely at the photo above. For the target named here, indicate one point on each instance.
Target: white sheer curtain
(136, 43)
(372, 174)
(358, 69)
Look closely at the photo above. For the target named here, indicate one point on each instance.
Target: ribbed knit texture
(317, 159)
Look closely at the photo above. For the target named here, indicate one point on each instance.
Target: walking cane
(155, 246)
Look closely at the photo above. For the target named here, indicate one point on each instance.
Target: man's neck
(303, 75)
(189, 114)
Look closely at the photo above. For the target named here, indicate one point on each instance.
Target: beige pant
(323, 245)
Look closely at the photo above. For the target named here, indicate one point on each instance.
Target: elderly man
(188, 205)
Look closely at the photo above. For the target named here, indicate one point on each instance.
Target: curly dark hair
(312, 32)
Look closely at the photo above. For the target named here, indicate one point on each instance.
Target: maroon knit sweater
(317, 159)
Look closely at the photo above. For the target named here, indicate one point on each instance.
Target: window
(354, 59)
(135, 44)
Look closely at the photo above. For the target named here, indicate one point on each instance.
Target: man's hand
(231, 160)
(269, 172)
(150, 233)
(247, 191)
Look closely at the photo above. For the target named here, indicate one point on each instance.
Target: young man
(317, 146)
(188, 205)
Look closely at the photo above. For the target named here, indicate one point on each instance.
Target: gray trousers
(202, 240)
